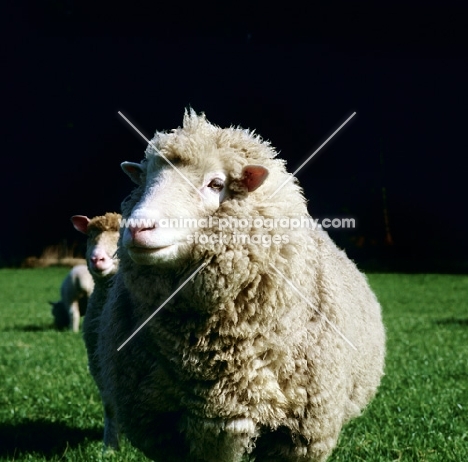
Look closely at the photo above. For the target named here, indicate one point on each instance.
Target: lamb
(103, 234)
(75, 291)
(266, 350)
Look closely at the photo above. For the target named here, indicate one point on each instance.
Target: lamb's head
(189, 176)
(60, 314)
(103, 235)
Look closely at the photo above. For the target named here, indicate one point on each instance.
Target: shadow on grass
(43, 437)
(31, 328)
(453, 321)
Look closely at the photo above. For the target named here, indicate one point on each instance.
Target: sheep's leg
(111, 430)
(74, 316)
(213, 440)
(281, 445)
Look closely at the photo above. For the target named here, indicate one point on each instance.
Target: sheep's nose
(135, 230)
(98, 255)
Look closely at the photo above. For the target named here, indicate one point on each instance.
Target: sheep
(103, 234)
(265, 351)
(75, 291)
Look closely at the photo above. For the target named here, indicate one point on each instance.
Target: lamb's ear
(133, 170)
(253, 176)
(80, 222)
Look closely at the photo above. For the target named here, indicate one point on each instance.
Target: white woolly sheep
(103, 234)
(75, 291)
(269, 349)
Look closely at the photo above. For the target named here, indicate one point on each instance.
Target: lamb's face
(174, 204)
(101, 250)
(101, 253)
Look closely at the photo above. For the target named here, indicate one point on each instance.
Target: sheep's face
(176, 199)
(103, 236)
(101, 253)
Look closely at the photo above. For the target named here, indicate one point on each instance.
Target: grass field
(50, 408)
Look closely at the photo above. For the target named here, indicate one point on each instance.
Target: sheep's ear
(253, 176)
(133, 170)
(80, 222)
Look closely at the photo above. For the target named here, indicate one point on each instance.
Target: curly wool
(108, 222)
(238, 362)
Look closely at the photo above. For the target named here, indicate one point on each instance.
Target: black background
(293, 74)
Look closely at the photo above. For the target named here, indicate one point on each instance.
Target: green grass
(50, 408)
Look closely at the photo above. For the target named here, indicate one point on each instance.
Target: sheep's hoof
(109, 452)
(300, 451)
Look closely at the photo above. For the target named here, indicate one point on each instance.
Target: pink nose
(135, 230)
(97, 259)
(99, 256)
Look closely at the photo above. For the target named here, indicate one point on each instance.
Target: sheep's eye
(216, 184)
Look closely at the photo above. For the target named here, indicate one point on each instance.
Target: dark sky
(293, 76)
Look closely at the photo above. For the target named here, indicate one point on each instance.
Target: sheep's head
(103, 235)
(60, 314)
(192, 173)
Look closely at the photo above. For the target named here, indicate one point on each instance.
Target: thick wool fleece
(238, 362)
